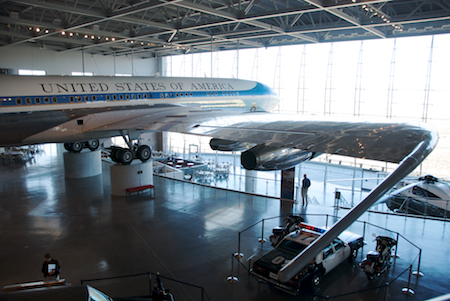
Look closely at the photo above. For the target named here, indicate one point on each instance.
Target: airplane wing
(388, 141)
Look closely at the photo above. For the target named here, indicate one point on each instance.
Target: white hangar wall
(63, 63)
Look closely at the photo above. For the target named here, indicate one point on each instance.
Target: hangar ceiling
(169, 27)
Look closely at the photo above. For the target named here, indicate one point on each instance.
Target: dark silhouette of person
(305, 185)
(51, 267)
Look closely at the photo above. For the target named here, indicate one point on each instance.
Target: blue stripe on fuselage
(24, 100)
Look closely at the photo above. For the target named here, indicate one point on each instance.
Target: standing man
(305, 185)
(51, 267)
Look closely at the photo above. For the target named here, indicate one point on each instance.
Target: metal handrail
(150, 285)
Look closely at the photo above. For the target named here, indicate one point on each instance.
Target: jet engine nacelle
(229, 145)
(264, 157)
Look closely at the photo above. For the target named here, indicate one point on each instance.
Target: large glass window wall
(402, 79)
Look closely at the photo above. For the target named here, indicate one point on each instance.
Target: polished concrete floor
(187, 233)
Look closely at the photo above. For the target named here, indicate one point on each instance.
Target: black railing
(149, 275)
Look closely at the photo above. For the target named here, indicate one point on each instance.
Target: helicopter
(425, 196)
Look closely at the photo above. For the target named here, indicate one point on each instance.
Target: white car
(267, 267)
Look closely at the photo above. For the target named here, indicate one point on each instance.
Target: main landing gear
(77, 146)
(127, 155)
(118, 154)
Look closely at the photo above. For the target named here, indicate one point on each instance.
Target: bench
(140, 188)
(33, 285)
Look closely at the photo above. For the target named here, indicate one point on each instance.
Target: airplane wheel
(125, 156)
(75, 147)
(144, 153)
(93, 144)
(66, 147)
(114, 155)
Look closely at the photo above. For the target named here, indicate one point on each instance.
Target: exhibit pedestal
(82, 165)
(129, 176)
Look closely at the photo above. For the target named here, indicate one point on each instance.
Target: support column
(250, 181)
(298, 189)
(159, 66)
(82, 165)
(160, 141)
(287, 190)
(129, 176)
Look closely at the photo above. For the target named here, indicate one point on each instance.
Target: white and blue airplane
(77, 111)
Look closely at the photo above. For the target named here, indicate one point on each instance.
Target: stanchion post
(386, 292)
(418, 273)
(150, 287)
(239, 254)
(364, 230)
(261, 239)
(231, 278)
(267, 187)
(396, 248)
(407, 290)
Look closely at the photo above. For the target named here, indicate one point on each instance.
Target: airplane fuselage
(31, 105)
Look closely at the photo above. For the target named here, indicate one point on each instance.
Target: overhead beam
(101, 17)
(234, 18)
(337, 12)
(255, 30)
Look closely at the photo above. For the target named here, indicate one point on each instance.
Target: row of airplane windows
(54, 99)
